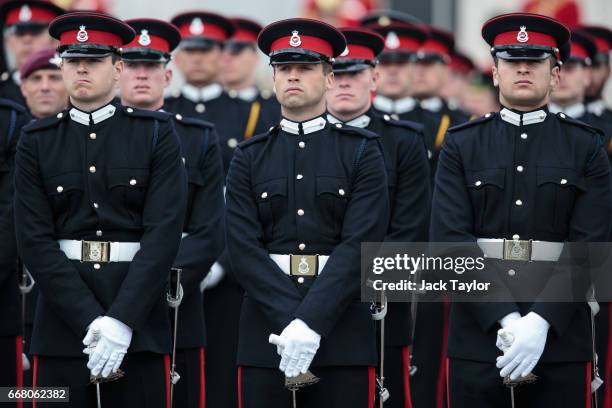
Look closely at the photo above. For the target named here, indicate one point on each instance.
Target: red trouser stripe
(406, 375)
(19, 365)
(442, 373)
(167, 379)
(448, 396)
(589, 395)
(34, 375)
(607, 374)
(371, 387)
(239, 387)
(202, 381)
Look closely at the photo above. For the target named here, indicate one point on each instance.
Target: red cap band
(304, 42)
(578, 51)
(358, 52)
(244, 36)
(434, 47)
(532, 38)
(150, 41)
(90, 37)
(394, 42)
(208, 30)
(33, 15)
(602, 45)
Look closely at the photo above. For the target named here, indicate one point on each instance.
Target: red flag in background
(339, 13)
(566, 11)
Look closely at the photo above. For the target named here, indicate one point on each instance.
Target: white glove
(529, 332)
(25, 362)
(297, 346)
(504, 322)
(108, 340)
(213, 277)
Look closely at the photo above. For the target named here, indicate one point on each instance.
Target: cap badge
(82, 34)
(25, 14)
(56, 60)
(522, 36)
(295, 40)
(392, 41)
(303, 267)
(144, 38)
(197, 26)
(345, 52)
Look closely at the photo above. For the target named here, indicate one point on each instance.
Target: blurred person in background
(42, 85)
(461, 74)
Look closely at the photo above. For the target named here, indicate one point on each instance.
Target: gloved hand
(529, 332)
(213, 277)
(25, 362)
(504, 322)
(112, 339)
(297, 346)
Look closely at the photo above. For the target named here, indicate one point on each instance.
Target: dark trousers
(477, 384)
(397, 377)
(11, 373)
(190, 391)
(339, 387)
(146, 383)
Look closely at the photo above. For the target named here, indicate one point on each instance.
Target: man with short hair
(349, 103)
(99, 209)
(499, 177)
(25, 32)
(42, 85)
(300, 200)
(141, 86)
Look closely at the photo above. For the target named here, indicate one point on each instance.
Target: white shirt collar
(203, 94)
(575, 111)
(17, 77)
(597, 107)
(399, 106)
(527, 118)
(97, 116)
(433, 104)
(360, 121)
(310, 126)
(247, 94)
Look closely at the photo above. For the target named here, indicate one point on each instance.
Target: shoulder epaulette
(189, 121)
(576, 122)
(47, 122)
(354, 131)
(10, 104)
(407, 124)
(477, 121)
(143, 113)
(258, 138)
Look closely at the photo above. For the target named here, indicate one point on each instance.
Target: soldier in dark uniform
(99, 209)
(500, 177)
(12, 118)
(240, 60)
(141, 85)
(314, 190)
(349, 102)
(25, 31)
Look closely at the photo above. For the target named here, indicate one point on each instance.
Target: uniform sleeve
(204, 243)
(590, 222)
(410, 218)
(365, 220)
(162, 219)
(253, 268)
(452, 221)
(53, 272)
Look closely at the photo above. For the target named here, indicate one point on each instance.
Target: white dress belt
(115, 251)
(303, 265)
(520, 250)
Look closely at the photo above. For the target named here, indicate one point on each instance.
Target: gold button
(338, 125)
(300, 212)
(301, 279)
(563, 181)
(523, 136)
(60, 115)
(511, 272)
(519, 202)
(341, 192)
(232, 143)
(478, 183)
(302, 145)
(516, 237)
(60, 189)
(200, 108)
(299, 177)
(561, 114)
(96, 205)
(519, 169)
(264, 195)
(386, 117)
(97, 266)
(179, 116)
(487, 115)
(132, 182)
(130, 110)
(92, 169)
(302, 246)
(92, 136)
(98, 233)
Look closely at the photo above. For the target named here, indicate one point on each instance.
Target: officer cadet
(25, 24)
(349, 102)
(240, 61)
(500, 176)
(600, 70)
(574, 78)
(99, 208)
(461, 74)
(315, 190)
(42, 85)
(141, 86)
(12, 118)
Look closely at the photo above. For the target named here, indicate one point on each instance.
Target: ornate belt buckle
(304, 265)
(95, 251)
(517, 250)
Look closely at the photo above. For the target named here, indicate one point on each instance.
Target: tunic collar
(597, 107)
(96, 116)
(523, 118)
(203, 94)
(310, 126)
(433, 104)
(399, 106)
(247, 94)
(361, 121)
(575, 111)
